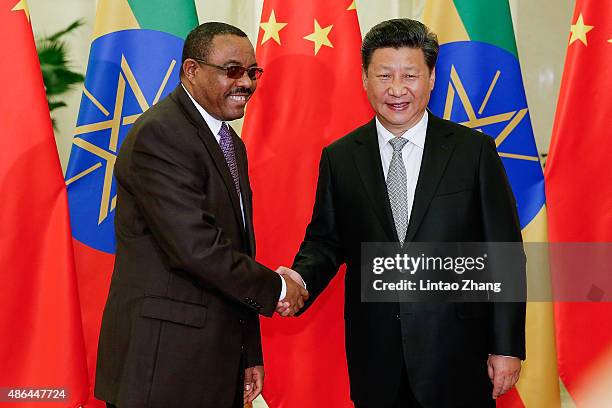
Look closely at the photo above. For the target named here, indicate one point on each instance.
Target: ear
(432, 79)
(364, 77)
(189, 68)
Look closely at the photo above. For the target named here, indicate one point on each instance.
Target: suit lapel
(245, 191)
(366, 156)
(437, 152)
(212, 146)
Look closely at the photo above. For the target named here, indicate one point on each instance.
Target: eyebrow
(235, 62)
(402, 67)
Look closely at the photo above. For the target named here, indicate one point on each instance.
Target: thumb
(248, 380)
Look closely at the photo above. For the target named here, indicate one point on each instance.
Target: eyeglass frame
(258, 70)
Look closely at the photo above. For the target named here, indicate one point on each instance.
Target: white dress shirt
(214, 125)
(412, 153)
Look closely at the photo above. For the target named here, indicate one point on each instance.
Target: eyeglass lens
(236, 72)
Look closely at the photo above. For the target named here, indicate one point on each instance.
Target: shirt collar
(415, 134)
(214, 124)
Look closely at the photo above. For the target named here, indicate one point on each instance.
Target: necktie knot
(224, 131)
(398, 143)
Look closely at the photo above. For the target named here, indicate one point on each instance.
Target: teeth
(239, 98)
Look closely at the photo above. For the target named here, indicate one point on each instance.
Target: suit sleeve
(501, 224)
(320, 253)
(253, 353)
(169, 188)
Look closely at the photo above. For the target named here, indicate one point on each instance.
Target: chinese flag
(579, 196)
(310, 95)
(41, 342)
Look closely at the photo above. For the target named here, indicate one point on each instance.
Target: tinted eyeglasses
(235, 71)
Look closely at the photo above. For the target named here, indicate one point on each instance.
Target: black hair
(398, 33)
(199, 40)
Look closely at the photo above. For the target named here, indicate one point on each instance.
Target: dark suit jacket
(183, 306)
(462, 195)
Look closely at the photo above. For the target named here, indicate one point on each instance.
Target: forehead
(227, 48)
(398, 56)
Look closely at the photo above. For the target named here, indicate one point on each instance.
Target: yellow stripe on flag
(538, 385)
(113, 15)
(444, 20)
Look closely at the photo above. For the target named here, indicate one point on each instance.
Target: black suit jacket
(181, 317)
(462, 195)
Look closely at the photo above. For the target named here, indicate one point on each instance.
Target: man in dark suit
(410, 176)
(180, 326)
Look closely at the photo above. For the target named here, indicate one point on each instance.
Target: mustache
(241, 90)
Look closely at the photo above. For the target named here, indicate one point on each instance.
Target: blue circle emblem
(480, 86)
(128, 71)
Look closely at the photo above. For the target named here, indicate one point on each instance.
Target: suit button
(242, 321)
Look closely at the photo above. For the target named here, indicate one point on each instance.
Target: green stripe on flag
(176, 17)
(488, 21)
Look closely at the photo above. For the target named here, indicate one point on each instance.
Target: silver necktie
(397, 188)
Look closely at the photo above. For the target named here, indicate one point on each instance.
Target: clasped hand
(296, 292)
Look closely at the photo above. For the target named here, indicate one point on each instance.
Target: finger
(279, 307)
(248, 396)
(516, 377)
(498, 383)
(248, 384)
(507, 384)
(282, 306)
(490, 370)
(257, 388)
(248, 379)
(283, 270)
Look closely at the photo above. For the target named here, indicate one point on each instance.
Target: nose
(245, 81)
(397, 88)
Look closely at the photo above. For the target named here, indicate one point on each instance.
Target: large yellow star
(22, 5)
(579, 31)
(271, 29)
(319, 37)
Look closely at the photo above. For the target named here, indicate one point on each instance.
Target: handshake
(296, 292)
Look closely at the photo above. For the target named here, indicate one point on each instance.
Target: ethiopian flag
(479, 84)
(134, 61)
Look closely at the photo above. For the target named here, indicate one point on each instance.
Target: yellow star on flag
(319, 37)
(271, 29)
(22, 5)
(353, 5)
(579, 31)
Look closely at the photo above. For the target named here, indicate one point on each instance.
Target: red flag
(310, 94)
(42, 338)
(579, 191)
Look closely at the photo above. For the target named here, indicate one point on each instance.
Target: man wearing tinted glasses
(180, 327)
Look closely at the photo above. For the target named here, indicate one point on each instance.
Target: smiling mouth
(239, 98)
(398, 106)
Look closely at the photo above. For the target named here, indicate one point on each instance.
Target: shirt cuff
(283, 292)
(501, 355)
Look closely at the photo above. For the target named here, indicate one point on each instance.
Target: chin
(234, 115)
